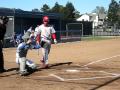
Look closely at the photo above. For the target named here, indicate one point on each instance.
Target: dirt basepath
(90, 59)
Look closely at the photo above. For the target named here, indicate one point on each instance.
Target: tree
(56, 8)
(77, 14)
(45, 8)
(35, 10)
(119, 14)
(69, 11)
(113, 12)
(99, 10)
(18, 9)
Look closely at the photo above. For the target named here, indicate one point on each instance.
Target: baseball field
(81, 65)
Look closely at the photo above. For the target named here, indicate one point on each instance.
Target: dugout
(20, 20)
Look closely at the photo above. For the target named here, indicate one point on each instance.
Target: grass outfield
(92, 38)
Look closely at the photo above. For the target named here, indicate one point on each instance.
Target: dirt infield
(85, 65)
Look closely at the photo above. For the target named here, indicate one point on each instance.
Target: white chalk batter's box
(78, 75)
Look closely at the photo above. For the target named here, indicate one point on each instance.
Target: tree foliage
(68, 11)
(113, 10)
(99, 10)
(45, 8)
(35, 10)
(77, 14)
(119, 14)
(56, 8)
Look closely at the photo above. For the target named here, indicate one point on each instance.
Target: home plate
(72, 70)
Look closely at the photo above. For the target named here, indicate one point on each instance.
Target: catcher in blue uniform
(24, 64)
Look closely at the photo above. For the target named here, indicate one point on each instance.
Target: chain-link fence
(106, 32)
(70, 35)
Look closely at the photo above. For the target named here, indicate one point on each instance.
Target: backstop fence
(73, 31)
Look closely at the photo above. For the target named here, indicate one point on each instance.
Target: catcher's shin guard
(31, 64)
(22, 64)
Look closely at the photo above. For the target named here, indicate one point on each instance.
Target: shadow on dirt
(32, 71)
(54, 65)
(106, 83)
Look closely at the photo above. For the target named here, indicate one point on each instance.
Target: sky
(83, 6)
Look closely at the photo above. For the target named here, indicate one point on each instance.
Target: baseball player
(25, 64)
(45, 32)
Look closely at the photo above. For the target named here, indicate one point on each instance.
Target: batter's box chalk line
(100, 60)
(58, 77)
(108, 75)
(85, 67)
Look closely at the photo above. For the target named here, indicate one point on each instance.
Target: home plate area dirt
(84, 65)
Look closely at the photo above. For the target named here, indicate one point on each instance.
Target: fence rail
(106, 32)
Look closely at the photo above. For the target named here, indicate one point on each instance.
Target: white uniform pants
(45, 51)
(22, 62)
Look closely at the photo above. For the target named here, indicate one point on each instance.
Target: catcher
(25, 65)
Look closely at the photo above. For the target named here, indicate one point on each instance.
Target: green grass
(96, 38)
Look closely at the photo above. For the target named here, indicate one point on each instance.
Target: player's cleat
(23, 73)
(17, 69)
(42, 61)
(45, 66)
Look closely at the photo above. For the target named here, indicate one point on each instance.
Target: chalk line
(100, 60)
(91, 78)
(61, 79)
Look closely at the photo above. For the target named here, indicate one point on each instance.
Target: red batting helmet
(45, 19)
